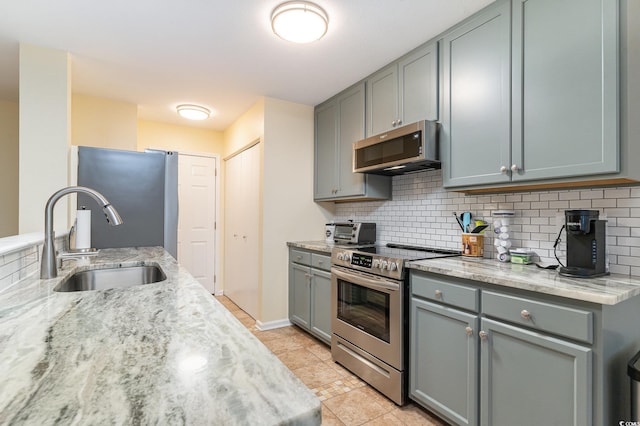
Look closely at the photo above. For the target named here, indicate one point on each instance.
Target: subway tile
(629, 202)
(617, 192)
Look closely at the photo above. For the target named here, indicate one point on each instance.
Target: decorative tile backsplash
(18, 264)
(421, 213)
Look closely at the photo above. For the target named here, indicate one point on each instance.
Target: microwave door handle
(363, 279)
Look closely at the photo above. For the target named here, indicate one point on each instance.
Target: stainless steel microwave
(405, 149)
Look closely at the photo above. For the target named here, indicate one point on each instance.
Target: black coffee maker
(586, 244)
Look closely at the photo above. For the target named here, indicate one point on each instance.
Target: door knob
(514, 168)
(503, 169)
(483, 335)
(469, 331)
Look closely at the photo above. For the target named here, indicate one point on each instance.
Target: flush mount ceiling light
(193, 112)
(299, 21)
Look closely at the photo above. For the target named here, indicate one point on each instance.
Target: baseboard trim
(270, 325)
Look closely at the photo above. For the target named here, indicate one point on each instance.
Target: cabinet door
(444, 361)
(299, 294)
(321, 304)
(528, 378)
(350, 129)
(418, 83)
(326, 169)
(565, 80)
(382, 100)
(475, 134)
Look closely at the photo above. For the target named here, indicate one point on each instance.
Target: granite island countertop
(607, 290)
(163, 353)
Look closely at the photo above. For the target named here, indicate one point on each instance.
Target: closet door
(242, 213)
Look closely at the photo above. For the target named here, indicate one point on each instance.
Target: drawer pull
(469, 331)
(299, 257)
(483, 335)
(438, 294)
(525, 315)
(319, 262)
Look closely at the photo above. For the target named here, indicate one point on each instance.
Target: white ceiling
(219, 54)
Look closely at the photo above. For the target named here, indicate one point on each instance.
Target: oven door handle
(362, 279)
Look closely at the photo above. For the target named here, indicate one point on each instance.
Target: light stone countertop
(163, 353)
(322, 246)
(607, 290)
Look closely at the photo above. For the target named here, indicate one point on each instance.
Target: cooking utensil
(466, 221)
(479, 228)
(459, 220)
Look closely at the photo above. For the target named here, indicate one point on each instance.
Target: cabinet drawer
(569, 322)
(442, 291)
(321, 261)
(299, 256)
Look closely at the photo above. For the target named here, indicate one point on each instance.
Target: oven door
(367, 311)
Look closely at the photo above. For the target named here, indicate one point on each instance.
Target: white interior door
(196, 219)
(242, 215)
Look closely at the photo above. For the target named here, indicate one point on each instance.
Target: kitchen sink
(102, 279)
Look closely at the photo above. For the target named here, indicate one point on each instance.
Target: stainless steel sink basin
(102, 279)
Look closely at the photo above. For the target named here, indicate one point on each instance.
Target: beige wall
(9, 143)
(44, 133)
(246, 129)
(152, 134)
(289, 213)
(103, 123)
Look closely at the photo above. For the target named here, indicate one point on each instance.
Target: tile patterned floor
(346, 400)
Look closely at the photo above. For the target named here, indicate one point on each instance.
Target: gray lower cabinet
(483, 355)
(339, 122)
(444, 361)
(404, 92)
(528, 378)
(310, 292)
(530, 95)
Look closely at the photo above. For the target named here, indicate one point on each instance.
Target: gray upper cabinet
(475, 131)
(404, 92)
(339, 122)
(326, 166)
(531, 93)
(565, 85)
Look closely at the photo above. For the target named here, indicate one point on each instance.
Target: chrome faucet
(48, 266)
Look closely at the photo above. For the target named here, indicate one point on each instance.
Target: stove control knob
(393, 266)
(384, 265)
(347, 257)
(340, 256)
(376, 263)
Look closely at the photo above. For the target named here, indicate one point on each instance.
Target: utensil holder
(472, 244)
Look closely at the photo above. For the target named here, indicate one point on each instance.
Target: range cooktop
(388, 260)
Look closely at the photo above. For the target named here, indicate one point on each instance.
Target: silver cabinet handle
(393, 123)
(399, 122)
(483, 335)
(469, 331)
(438, 294)
(503, 169)
(514, 168)
(525, 315)
(319, 262)
(299, 257)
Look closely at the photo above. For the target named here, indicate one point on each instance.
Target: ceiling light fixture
(299, 21)
(193, 112)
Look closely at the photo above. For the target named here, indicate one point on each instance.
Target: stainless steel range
(370, 300)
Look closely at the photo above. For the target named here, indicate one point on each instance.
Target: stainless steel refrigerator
(142, 186)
